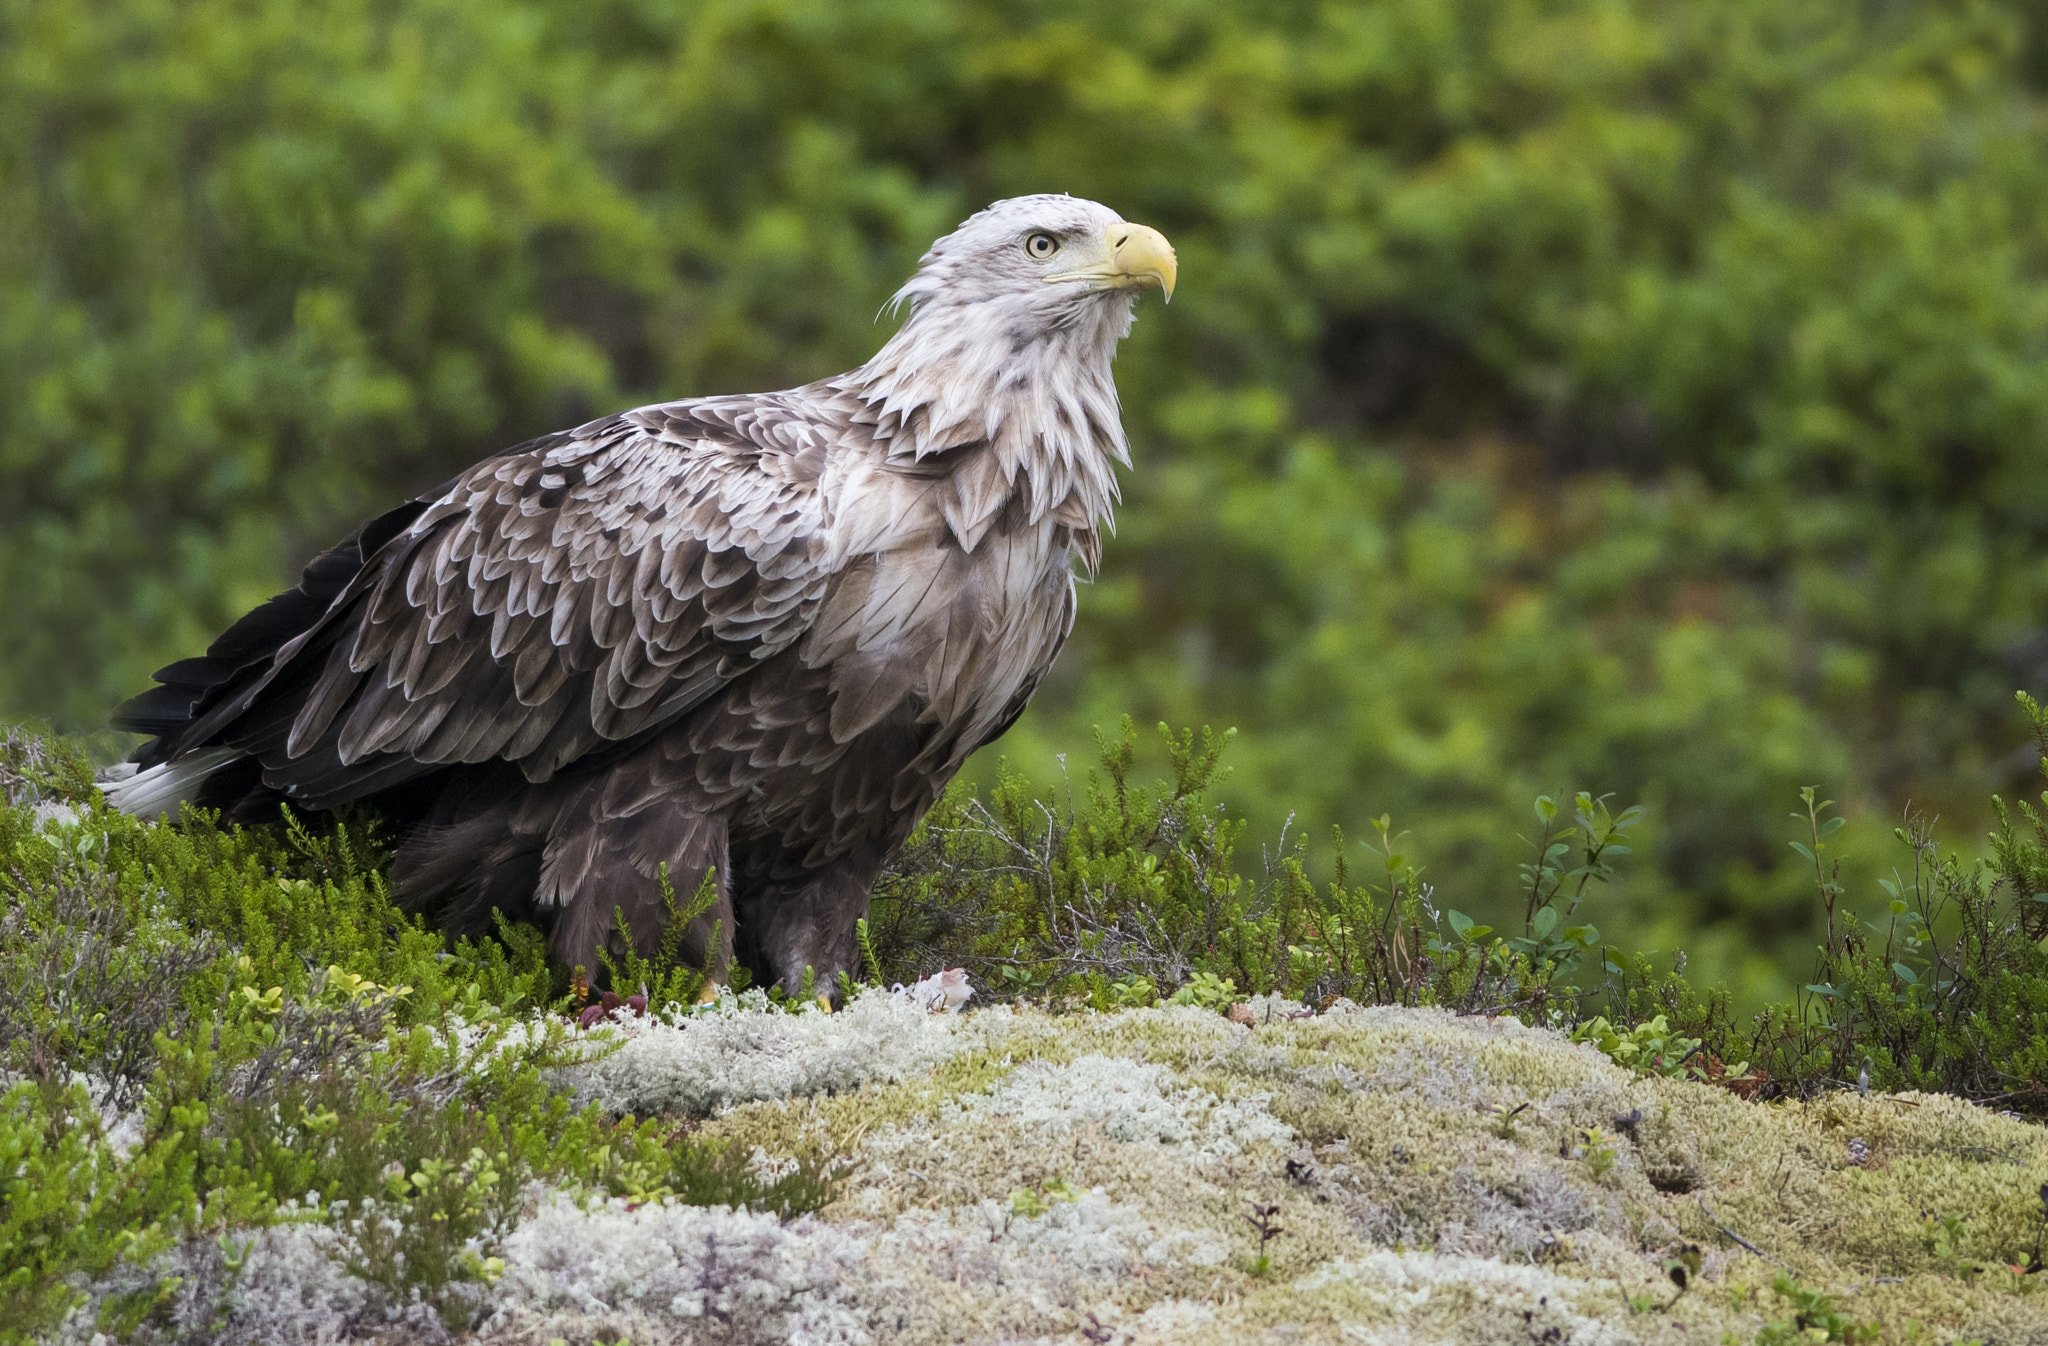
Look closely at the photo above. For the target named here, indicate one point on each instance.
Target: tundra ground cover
(248, 1100)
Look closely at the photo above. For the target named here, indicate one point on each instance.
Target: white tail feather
(169, 787)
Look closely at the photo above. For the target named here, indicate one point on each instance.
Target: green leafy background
(1637, 396)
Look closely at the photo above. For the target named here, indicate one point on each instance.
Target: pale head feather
(994, 354)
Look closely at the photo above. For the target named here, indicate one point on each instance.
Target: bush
(1947, 993)
(1134, 896)
(1137, 895)
(201, 1026)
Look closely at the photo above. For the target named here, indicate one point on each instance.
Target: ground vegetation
(246, 1098)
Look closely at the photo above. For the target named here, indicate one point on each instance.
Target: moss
(1409, 1180)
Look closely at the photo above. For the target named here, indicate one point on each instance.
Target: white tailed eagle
(754, 635)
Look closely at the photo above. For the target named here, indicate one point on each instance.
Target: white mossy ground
(1086, 1178)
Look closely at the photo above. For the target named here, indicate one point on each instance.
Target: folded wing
(549, 604)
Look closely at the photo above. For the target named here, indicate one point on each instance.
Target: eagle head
(1041, 257)
(1014, 319)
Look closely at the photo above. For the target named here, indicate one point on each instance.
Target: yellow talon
(825, 1003)
(708, 993)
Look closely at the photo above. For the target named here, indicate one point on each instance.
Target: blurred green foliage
(1642, 396)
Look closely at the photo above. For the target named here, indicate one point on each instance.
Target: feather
(538, 724)
(338, 682)
(168, 786)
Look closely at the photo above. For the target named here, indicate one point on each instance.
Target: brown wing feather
(553, 601)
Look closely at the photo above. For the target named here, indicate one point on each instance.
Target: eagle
(750, 637)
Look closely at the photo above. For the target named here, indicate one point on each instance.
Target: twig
(2005, 1155)
(1734, 1237)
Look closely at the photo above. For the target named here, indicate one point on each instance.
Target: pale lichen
(739, 1049)
(1014, 1175)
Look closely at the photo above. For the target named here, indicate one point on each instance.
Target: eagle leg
(789, 922)
(609, 870)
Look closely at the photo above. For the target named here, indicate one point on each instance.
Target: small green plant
(1528, 969)
(1942, 1236)
(716, 1172)
(67, 1206)
(414, 1237)
(1553, 894)
(1207, 990)
(664, 977)
(1595, 1148)
(1827, 870)
(1264, 1220)
(1030, 1203)
(1649, 1048)
(1133, 992)
(1682, 1264)
(1814, 1319)
(870, 964)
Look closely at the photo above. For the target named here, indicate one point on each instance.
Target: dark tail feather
(166, 710)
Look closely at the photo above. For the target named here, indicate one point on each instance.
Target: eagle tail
(169, 711)
(168, 786)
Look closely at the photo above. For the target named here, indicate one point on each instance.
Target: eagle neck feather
(1028, 407)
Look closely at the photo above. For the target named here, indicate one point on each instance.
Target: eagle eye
(1041, 246)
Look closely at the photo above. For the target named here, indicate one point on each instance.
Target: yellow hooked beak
(1138, 255)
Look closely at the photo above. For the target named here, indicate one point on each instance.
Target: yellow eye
(1041, 246)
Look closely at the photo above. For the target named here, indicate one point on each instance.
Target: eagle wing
(551, 602)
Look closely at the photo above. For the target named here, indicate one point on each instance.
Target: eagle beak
(1137, 256)
(1144, 255)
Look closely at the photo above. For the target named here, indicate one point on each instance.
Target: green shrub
(715, 1172)
(1650, 1048)
(1136, 894)
(1947, 992)
(67, 1205)
(208, 1023)
(665, 978)
(1814, 1318)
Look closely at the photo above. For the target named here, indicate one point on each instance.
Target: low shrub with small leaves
(1814, 1319)
(199, 1026)
(1138, 894)
(1945, 991)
